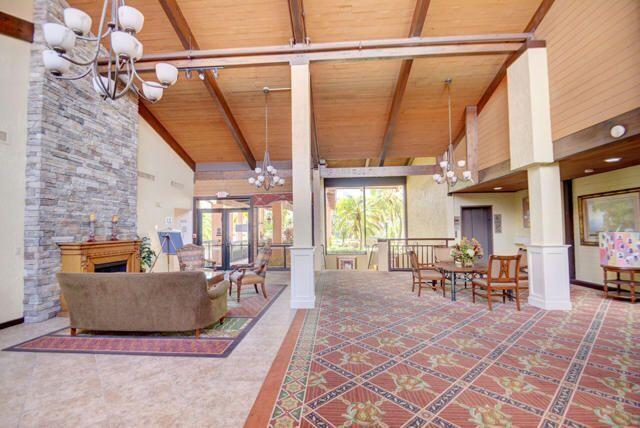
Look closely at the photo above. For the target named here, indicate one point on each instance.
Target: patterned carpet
(374, 354)
(215, 341)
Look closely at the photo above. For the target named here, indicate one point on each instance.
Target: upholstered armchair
(191, 258)
(253, 273)
(424, 275)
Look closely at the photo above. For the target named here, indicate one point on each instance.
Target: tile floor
(58, 390)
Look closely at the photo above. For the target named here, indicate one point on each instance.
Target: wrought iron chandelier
(112, 68)
(267, 175)
(447, 165)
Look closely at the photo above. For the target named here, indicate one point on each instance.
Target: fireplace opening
(120, 266)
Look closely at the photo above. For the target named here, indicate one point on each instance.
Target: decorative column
(303, 293)
(531, 148)
(318, 216)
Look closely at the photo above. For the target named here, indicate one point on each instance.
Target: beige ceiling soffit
(379, 171)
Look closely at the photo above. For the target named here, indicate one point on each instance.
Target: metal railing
(280, 256)
(423, 247)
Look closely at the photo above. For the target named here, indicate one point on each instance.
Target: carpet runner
(215, 341)
(374, 354)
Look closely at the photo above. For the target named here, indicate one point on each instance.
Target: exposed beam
(166, 136)
(417, 24)
(471, 128)
(298, 28)
(15, 27)
(380, 171)
(537, 17)
(410, 47)
(181, 27)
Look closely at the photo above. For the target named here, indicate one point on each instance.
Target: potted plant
(467, 252)
(147, 255)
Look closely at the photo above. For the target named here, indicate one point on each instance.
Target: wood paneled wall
(234, 187)
(594, 61)
(493, 129)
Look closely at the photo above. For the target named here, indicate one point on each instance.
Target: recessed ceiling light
(588, 171)
(497, 188)
(612, 160)
(618, 131)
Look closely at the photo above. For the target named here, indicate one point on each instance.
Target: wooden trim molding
(537, 17)
(166, 136)
(11, 323)
(181, 27)
(15, 27)
(380, 171)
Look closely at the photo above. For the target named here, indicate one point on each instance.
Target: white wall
(165, 189)
(587, 258)
(14, 85)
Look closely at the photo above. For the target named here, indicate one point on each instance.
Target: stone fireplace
(81, 159)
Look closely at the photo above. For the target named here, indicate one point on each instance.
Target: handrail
(424, 248)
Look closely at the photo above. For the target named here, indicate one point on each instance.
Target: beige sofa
(158, 302)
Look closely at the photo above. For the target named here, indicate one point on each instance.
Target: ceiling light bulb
(54, 63)
(258, 170)
(58, 37)
(78, 21)
(201, 75)
(276, 178)
(167, 74)
(450, 174)
(281, 181)
(131, 19)
(436, 177)
(261, 178)
(106, 82)
(124, 44)
(618, 131)
(497, 188)
(462, 163)
(454, 179)
(152, 92)
(466, 175)
(252, 180)
(269, 168)
(612, 160)
(444, 164)
(588, 171)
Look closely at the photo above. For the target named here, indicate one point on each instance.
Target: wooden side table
(617, 281)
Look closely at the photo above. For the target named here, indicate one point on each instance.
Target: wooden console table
(617, 281)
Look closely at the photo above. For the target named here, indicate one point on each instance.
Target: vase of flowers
(467, 252)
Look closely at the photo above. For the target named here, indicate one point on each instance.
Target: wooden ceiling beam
(15, 27)
(166, 135)
(298, 28)
(380, 171)
(417, 24)
(182, 29)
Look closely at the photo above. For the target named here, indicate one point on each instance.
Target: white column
(383, 255)
(531, 148)
(303, 293)
(318, 219)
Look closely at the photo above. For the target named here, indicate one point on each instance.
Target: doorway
(225, 232)
(477, 222)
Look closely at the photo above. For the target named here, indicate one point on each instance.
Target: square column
(318, 215)
(303, 293)
(531, 148)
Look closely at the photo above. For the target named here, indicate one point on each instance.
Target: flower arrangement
(467, 252)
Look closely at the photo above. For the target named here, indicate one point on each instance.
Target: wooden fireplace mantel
(84, 256)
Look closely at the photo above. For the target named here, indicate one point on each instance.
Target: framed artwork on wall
(617, 211)
(347, 262)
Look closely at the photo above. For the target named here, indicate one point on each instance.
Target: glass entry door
(225, 232)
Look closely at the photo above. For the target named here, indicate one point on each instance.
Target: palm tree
(348, 221)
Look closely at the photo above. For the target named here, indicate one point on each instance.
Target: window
(356, 217)
(279, 218)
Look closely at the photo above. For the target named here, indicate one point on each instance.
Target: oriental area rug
(372, 353)
(215, 341)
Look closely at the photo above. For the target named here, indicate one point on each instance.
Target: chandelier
(112, 68)
(267, 175)
(447, 165)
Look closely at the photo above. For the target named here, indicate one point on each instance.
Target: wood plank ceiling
(352, 100)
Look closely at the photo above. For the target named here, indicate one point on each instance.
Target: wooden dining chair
(424, 275)
(442, 254)
(524, 269)
(503, 275)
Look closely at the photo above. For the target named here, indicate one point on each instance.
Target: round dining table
(453, 271)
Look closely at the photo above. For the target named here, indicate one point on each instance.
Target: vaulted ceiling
(351, 100)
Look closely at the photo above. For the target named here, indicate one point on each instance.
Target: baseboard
(587, 284)
(11, 323)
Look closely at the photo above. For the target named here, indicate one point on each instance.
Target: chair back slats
(191, 257)
(504, 269)
(262, 260)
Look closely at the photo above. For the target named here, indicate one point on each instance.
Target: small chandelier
(267, 175)
(448, 163)
(123, 52)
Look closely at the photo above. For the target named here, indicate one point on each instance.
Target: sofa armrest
(220, 290)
